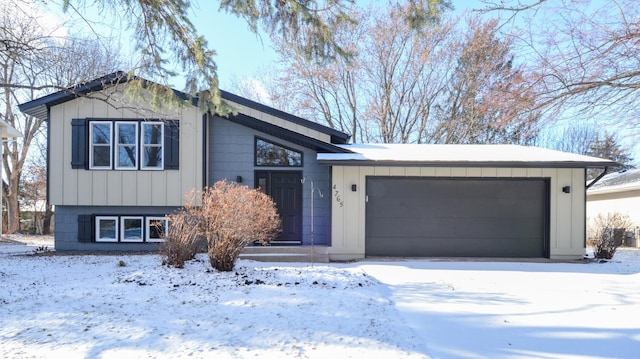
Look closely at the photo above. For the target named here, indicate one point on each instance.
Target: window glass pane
(127, 156)
(152, 146)
(101, 156)
(127, 133)
(106, 229)
(156, 229)
(132, 229)
(153, 157)
(262, 184)
(270, 154)
(152, 134)
(101, 133)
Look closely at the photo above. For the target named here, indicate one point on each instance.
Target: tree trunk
(13, 212)
(46, 220)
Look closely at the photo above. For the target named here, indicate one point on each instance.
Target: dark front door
(285, 188)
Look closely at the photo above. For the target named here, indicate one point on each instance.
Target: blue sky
(241, 54)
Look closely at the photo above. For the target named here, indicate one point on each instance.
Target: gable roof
(440, 155)
(40, 106)
(626, 180)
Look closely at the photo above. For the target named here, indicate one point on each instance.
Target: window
(127, 151)
(100, 144)
(157, 229)
(131, 229)
(124, 229)
(106, 229)
(127, 145)
(271, 154)
(100, 153)
(152, 144)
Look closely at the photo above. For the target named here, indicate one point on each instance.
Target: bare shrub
(229, 217)
(181, 242)
(607, 233)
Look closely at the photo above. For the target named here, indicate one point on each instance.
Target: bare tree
(405, 75)
(486, 97)
(575, 139)
(592, 141)
(584, 54)
(35, 62)
(443, 83)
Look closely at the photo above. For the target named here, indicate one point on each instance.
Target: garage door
(433, 217)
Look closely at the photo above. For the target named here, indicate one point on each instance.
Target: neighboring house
(116, 169)
(6, 131)
(616, 192)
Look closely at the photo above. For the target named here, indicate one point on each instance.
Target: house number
(337, 196)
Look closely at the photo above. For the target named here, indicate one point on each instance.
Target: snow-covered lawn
(122, 306)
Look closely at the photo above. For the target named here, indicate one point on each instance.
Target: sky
(241, 55)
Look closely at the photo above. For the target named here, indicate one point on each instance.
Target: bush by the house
(608, 232)
(229, 217)
(181, 242)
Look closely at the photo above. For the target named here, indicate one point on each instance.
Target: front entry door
(285, 188)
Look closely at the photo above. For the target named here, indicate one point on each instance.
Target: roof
(441, 155)
(6, 130)
(40, 106)
(336, 136)
(626, 180)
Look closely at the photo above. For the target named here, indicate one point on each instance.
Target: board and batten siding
(80, 187)
(566, 217)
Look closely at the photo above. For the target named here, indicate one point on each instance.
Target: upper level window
(152, 144)
(127, 151)
(131, 145)
(100, 152)
(271, 154)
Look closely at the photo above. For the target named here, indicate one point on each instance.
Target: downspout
(594, 181)
(205, 149)
(604, 172)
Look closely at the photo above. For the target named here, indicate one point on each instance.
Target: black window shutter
(171, 145)
(79, 149)
(85, 228)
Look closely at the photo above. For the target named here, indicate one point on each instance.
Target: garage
(457, 217)
(437, 200)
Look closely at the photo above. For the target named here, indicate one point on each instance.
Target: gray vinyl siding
(66, 224)
(231, 154)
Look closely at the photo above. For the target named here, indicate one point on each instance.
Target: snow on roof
(474, 155)
(626, 180)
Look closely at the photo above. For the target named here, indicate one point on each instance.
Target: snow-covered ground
(122, 306)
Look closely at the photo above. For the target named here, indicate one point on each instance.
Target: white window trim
(97, 225)
(148, 230)
(123, 229)
(116, 145)
(91, 145)
(143, 145)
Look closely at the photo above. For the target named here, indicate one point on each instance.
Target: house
(6, 131)
(116, 169)
(616, 192)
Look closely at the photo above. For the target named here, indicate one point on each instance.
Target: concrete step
(316, 254)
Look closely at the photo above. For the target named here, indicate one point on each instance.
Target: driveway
(478, 309)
